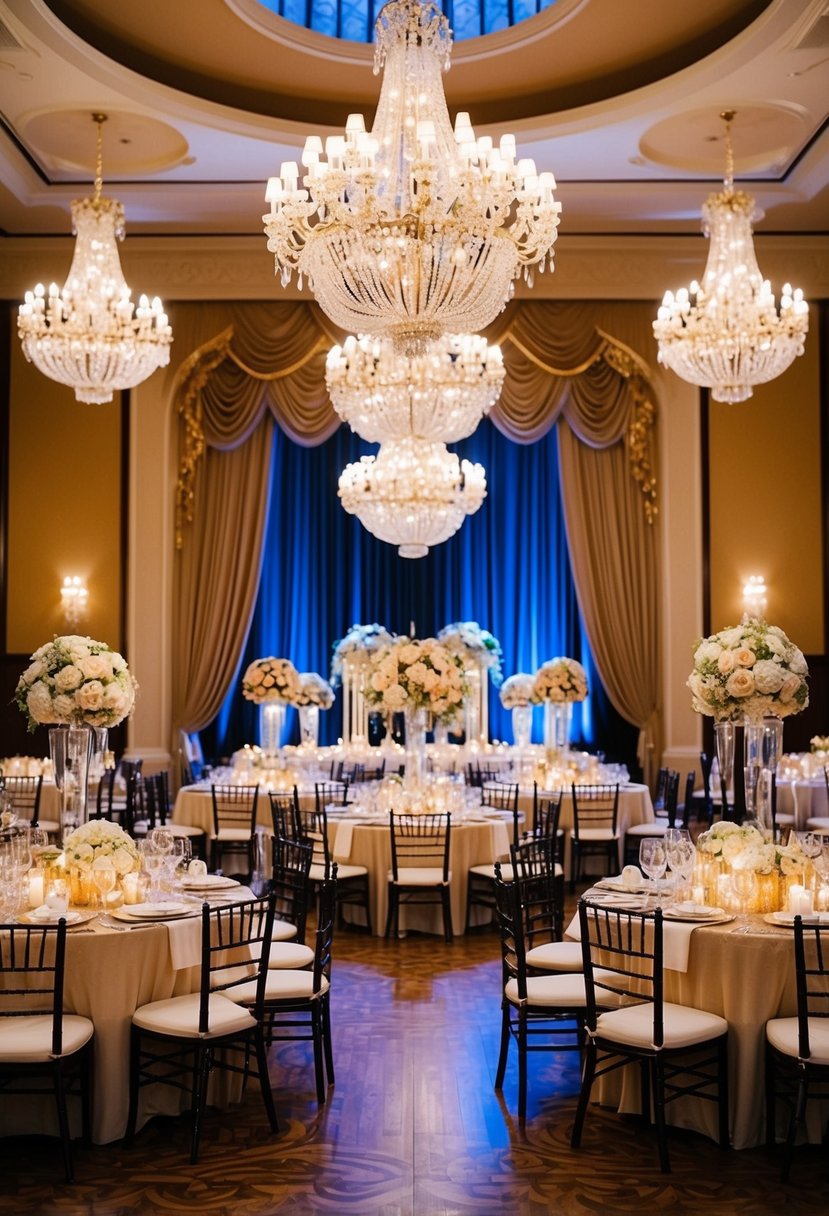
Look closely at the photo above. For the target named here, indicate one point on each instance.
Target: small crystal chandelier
(726, 334)
(413, 494)
(90, 336)
(412, 230)
(441, 394)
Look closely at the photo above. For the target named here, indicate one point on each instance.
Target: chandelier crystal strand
(441, 394)
(413, 494)
(90, 336)
(411, 230)
(726, 333)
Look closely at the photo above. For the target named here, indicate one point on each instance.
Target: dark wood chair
(42, 1047)
(681, 1051)
(541, 891)
(285, 814)
(419, 867)
(234, 824)
(157, 808)
(480, 882)
(595, 828)
(180, 1040)
(352, 881)
(655, 828)
(25, 794)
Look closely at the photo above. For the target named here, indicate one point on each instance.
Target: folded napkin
(185, 942)
(44, 912)
(500, 839)
(341, 845)
(676, 941)
(197, 868)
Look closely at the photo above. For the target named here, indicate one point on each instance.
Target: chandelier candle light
(726, 333)
(90, 336)
(441, 394)
(411, 230)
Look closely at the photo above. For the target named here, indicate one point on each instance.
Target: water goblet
(744, 885)
(653, 860)
(104, 878)
(681, 857)
(811, 846)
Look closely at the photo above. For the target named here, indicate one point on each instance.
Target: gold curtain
(267, 362)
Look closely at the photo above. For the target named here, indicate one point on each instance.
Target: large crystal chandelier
(90, 336)
(726, 333)
(413, 494)
(441, 394)
(412, 230)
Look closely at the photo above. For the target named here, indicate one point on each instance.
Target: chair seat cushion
(290, 955)
(179, 1016)
(782, 1034)
(317, 872)
(283, 931)
(488, 871)
(647, 829)
(420, 876)
(183, 829)
(28, 1040)
(556, 956)
(281, 985)
(49, 825)
(550, 991)
(682, 1026)
(818, 823)
(592, 834)
(242, 835)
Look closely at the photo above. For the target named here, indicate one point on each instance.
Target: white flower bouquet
(417, 674)
(474, 645)
(748, 672)
(314, 690)
(745, 847)
(77, 681)
(359, 643)
(270, 680)
(99, 842)
(560, 679)
(517, 691)
(819, 744)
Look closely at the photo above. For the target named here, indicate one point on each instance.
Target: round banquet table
(746, 978)
(109, 974)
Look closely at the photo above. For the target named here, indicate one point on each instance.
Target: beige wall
(766, 502)
(64, 509)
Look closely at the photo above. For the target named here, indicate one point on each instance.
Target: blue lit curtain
(507, 569)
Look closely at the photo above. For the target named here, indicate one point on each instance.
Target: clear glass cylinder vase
(415, 745)
(309, 725)
(271, 722)
(71, 750)
(557, 718)
(472, 706)
(522, 725)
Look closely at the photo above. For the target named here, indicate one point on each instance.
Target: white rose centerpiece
(747, 672)
(76, 681)
(517, 691)
(314, 690)
(101, 842)
(271, 679)
(474, 645)
(358, 644)
(560, 680)
(412, 674)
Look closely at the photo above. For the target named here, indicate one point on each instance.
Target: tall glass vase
(472, 725)
(271, 721)
(557, 718)
(97, 757)
(763, 749)
(522, 725)
(415, 744)
(71, 749)
(309, 725)
(725, 734)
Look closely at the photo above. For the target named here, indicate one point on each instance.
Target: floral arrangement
(98, 841)
(270, 680)
(747, 672)
(474, 645)
(361, 641)
(746, 847)
(413, 674)
(517, 691)
(819, 744)
(78, 681)
(314, 690)
(559, 680)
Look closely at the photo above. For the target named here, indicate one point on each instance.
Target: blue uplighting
(354, 19)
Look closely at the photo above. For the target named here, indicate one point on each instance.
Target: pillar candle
(35, 888)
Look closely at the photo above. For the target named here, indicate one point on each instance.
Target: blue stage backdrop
(507, 568)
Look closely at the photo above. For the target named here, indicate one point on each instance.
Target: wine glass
(811, 846)
(744, 885)
(653, 859)
(104, 878)
(681, 856)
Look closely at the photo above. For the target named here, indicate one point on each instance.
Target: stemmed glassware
(653, 860)
(811, 846)
(743, 884)
(104, 878)
(681, 854)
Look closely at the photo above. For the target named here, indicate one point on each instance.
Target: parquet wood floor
(413, 1126)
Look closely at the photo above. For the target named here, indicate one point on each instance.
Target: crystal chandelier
(90, 336)
(412, 230)
(413, 494)
(441, 394)
(726, 333)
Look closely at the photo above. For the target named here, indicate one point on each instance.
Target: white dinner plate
(698, 915)
(71, 918)
(208, 882)
(165, 910)
(785, 920)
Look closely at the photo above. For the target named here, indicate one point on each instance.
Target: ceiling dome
(354, 19)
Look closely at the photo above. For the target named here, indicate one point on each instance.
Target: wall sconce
(74, 597)
(755, 599)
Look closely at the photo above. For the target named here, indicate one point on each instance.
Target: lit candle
(129, 885)
(698, 895)
(795, 894)
(35, 888)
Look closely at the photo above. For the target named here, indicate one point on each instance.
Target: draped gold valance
(255, 365)
(271, 357)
